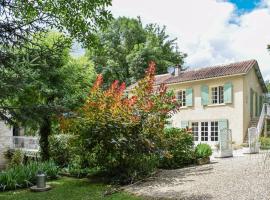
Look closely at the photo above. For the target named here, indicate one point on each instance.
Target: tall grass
(23, 176)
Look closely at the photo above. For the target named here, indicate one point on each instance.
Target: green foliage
(126, 47)
(179, 147)
(77, 168)
(50, 84)
(265, 142)
(135, 167)
(17, 158)
(120, 135)
(31, 77)
(22, 176)
(203, 151)
(61, 149)
(8, 154)
(79, 19)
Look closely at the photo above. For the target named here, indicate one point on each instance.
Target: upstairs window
(181, 97)
(217, 95)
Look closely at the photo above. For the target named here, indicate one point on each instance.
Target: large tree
(126, 47)
(53, 83)
(21, 21)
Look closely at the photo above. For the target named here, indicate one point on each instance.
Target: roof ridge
(220, 65)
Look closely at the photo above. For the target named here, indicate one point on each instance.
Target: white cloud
(204, 30)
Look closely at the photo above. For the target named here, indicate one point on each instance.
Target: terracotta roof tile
(242, 67)
(211, 72)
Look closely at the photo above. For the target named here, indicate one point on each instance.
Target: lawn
(68, 189)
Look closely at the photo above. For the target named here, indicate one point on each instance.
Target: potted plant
(203, 153)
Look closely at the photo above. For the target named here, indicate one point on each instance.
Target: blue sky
(245, 5)
(212, 32)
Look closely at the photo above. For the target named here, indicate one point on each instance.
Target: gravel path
(242, 177)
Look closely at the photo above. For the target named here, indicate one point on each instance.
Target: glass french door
(205, 132)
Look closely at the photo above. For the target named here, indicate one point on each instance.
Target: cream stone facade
(237, 114)
(227, 96)
(5, 141)
(233, 112)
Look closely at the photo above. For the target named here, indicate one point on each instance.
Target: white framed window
(214, 131)
(205, 131)
(217, 95)
(195, 130)
(181, 97)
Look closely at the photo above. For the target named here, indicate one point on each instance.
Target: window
(217, 95)
(214, 131)
(181, 97)
(204, 131)
(195, 130)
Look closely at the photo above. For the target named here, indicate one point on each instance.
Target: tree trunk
(45, 131)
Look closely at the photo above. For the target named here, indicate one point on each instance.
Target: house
(213, 98)
(12, 138)
(5, 141)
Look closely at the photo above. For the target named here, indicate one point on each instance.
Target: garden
(115, 138)
(95, 136)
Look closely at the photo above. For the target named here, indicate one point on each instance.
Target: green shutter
(184, 124)
(251, 102)
(222, 123)
(228, 93)
(204, 95)
(261, 103)
(257, 104)
(189, 97)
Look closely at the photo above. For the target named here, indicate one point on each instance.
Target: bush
(61, 149)
(23, 176)
(265, 142)
(203, 151)
(17, 158)
(134, 168)
(179, 147)
(123, 135)
(75, 168)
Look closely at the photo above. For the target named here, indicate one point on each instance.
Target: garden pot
(203, 161)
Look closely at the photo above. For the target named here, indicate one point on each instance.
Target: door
(205, 132)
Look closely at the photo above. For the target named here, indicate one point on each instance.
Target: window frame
(195, 128)
(204, 131)
(207, 131)
(214, 131)
(219, 96)
(183, 97)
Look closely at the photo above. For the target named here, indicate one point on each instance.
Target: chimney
(177, 70)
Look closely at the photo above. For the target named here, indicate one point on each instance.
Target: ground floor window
(205, 131)
(214, 131)
(195, 130)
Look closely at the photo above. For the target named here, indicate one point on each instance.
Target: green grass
(68, 189)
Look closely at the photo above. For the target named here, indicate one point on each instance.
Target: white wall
(5, 141)
(232, 112)
(250, 81)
